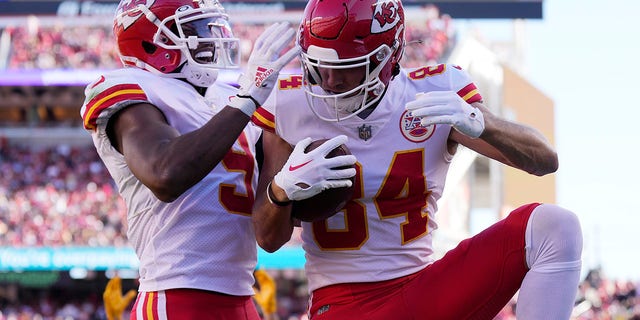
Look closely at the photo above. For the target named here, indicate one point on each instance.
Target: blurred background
(552, 64)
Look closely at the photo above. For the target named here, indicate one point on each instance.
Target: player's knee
(556, 235)
(566, 227)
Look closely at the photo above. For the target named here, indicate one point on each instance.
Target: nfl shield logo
(364, 132)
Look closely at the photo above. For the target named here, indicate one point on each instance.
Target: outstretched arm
(169, 163)
(165, 161)
(514, 144)
(474, 126)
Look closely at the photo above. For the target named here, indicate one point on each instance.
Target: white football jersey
(204, 239)
(385, 231)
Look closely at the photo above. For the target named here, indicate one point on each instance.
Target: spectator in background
(114, 302)
(265, 294)
(429, 40)
(58, 196)
(61, 47)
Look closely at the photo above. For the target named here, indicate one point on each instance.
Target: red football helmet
(176, 38)
(345, 34)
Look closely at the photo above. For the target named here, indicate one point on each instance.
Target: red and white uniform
(204, 239)
(385, 232)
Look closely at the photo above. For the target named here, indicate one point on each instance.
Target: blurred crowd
(58, 46)
(599, 298)
(36, 45)
(602, 298)
(48, 305)
(58, 196)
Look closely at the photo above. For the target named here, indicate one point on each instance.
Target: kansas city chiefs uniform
(385, 231)
(216, 251)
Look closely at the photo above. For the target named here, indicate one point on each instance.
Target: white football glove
(448, 108)
(263, 67)
(307, 174)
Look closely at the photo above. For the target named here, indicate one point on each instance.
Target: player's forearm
(272, 221)
(187, 159)
(521, 146)
(272, 224)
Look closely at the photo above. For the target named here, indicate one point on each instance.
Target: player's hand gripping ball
(328, 202)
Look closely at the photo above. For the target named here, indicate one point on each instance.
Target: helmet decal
(128, 7)
(385, 16)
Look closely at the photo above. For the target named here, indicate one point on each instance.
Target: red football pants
(189, 304)
(475, 280)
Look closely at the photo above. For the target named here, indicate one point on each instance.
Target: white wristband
(246, 105)
(271, 197)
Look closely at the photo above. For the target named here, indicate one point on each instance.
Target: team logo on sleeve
(412, 130)
(385, 16)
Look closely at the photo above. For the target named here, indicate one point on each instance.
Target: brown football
(328, 202)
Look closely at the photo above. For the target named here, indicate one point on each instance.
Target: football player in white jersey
(373, 260)
(179, 149)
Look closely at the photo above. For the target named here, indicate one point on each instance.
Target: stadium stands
(58, 196)
(92, 47)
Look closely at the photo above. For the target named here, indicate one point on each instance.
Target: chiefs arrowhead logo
(385, 16)
(412, 130)
(128, 12)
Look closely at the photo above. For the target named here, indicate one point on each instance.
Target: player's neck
(201, 90)
(366, 112)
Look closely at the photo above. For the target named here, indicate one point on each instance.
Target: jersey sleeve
(264, 117)
(445, 77)
(462, 83)
(106, 96)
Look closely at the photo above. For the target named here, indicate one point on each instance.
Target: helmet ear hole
(149, 47)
